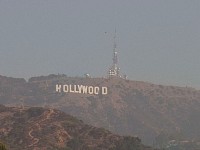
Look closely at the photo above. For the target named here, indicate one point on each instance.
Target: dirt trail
(35, 140)
(37, 125)
(62, 134)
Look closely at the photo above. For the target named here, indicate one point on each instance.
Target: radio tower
(114, 69)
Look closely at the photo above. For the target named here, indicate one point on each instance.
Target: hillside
(130, 108)
(35, 128)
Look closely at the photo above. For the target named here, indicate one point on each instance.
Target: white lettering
(96, 90)
(84, 89)
(90, 90)
(70, 89)
(58, 88)
(104, 90)
(81, 89)
(75, 89)
(65, 88)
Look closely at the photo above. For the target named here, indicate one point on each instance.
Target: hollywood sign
(81, 89)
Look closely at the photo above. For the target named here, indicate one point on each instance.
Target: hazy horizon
(157, 41)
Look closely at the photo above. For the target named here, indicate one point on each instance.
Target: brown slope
(130, 108)
(43, 128)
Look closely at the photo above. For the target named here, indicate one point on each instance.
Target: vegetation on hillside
(47, 128)
(3, 146)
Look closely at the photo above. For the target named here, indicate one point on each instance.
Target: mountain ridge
(130, 107)
(33, 128)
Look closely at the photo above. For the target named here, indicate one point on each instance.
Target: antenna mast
(114, 69)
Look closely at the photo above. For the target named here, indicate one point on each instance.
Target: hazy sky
(158, 40)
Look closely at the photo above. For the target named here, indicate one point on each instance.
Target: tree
(2, 146)
(129, 143)
(74, 144)
(161, 140)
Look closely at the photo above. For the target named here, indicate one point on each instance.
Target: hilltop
(35, 128)
(132, 108)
